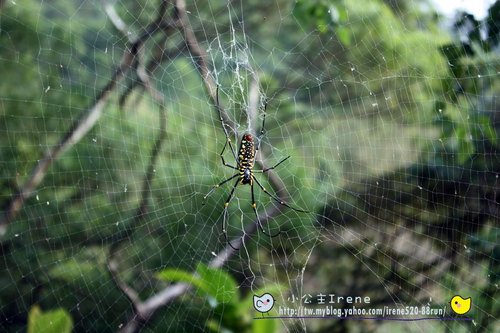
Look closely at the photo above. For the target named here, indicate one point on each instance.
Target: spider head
(248, 137)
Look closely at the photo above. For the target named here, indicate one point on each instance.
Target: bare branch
(253, 99)
(200, 57)
(143, 75)
(116, 19)
(155, 151)
(129, 292)
(145, 194)
(160, 55)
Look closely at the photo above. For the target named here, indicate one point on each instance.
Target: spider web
(392, 151)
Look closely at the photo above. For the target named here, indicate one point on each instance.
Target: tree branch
(160, 55)
(128, 291)
(200, 57)
(116, 19)
(144, 78)
(155, 151)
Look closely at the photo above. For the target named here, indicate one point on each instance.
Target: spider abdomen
(246, 158)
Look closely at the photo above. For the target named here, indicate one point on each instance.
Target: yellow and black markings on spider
(246, 174)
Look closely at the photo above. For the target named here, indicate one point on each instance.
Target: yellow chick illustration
(460, 305)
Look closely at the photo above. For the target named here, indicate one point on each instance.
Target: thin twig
(155, 151)
(145, 80)
(118, 23)
(200, 57)
(160, 55)
(129, 292)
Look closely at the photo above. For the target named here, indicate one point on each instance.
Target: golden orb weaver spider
(245, 161)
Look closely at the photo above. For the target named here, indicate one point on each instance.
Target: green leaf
(487, 131)
(86, 267)
(344, 35)
(316, 13)
(56, 321)
(214, 282)
(465, 144)
(177, 275)
(219, 284)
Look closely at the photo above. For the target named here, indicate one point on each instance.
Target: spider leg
(222, 155)
(220, 184)
(278, 200)
(262, 128)
(224, 222)
(228, 139)
(273, 167)
(254, 207)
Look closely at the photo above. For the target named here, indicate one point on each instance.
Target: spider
(245, 161)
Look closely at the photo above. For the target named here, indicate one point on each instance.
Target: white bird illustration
(263, 303)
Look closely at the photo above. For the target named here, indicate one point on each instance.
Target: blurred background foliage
(391, 120)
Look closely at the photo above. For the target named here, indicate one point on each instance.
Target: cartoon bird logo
(263, 303)
(460, 305)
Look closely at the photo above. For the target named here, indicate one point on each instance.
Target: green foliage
(492, 25)
(232, 313)
(318, 13)
(54, 321)
(238, 315)
(214, 283)
(465, 128)
(462, 136)
(326, 16)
